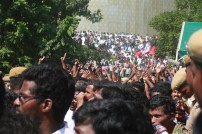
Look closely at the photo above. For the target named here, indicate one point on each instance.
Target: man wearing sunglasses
(13, 83)
(46, 94)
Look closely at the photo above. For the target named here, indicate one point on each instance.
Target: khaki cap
(194, 45)
(6, 78)
(178, 79)
(14, 72)
(186, 59)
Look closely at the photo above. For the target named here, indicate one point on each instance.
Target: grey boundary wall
(129, 16)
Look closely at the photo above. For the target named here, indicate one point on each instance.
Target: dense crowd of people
(120, 45)
(134, 95)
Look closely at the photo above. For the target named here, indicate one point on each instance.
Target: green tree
(168, 25)
(32, 28)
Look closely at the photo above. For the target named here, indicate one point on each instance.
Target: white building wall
(130, 16)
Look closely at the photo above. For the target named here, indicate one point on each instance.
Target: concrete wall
(130, 16)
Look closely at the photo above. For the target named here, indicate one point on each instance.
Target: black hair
(95, 83)
(111, 90)
(163, 88)
(137, 97)
(54, 83)
(80, 86)
(2, 94)
(166, 102)
(17, 124)
(114, 117)
(138, 85)
(16, 82)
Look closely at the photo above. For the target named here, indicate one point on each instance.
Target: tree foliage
(168, 25)
(32, 28)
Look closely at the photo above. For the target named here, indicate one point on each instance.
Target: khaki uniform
(194, 112)
(180, 129)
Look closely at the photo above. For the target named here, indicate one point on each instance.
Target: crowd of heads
(120, 45)
(143, 95)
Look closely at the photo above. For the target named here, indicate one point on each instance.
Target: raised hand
(63, 58)
(158, 69)
(79, 99)
(181, 105)
(63, 61)
(41, 59)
